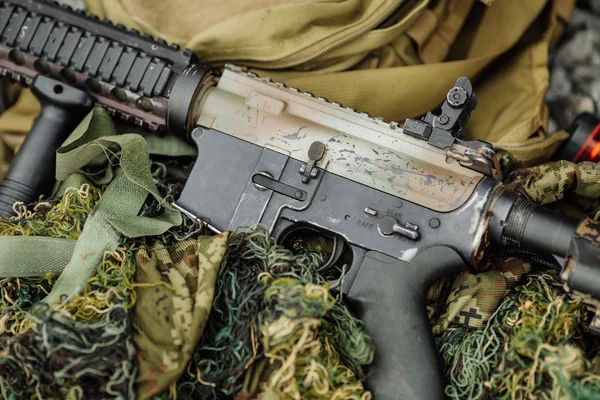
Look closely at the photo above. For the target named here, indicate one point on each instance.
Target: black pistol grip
(389, 296)
(32, 172)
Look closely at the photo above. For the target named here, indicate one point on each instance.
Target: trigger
(336, 253)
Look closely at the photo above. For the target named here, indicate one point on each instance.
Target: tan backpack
(391, 58)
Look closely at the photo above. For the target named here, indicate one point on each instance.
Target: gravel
(575, 67)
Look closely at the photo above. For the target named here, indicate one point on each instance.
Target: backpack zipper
(301, 57)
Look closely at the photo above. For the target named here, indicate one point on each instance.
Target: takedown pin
(315, 153)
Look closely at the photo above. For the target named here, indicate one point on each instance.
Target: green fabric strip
(116, 214)
(28, 256)
(170, 145)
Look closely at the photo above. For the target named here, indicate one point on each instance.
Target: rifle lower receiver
(409, 210)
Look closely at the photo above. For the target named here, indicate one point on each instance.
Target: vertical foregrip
(33, 169)
(133, 75)
(389, 296)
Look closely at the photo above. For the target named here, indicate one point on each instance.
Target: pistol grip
(389, 296)
(32, 172)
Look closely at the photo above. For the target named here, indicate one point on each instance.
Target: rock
(595, 59)
(563, 110)
(595, 6)
(585, 104)
(582, 76)
(578, 50)
(574, 65)
(594, 91)
(552, 127)
(560, 85)
(583, 20)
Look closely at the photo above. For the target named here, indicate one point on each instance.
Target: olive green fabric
(51, 256)
(296, 336)
(561, 184)
(311, 44)
(170, 317)
(171, 289)
(173, 286)
(473, 298)
(392, 58)
(114, 217)
(508, 333)
(469, 299)
(535, 346)
(496, 339)
(14, 124)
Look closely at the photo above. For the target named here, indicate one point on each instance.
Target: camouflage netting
(112, 341)
(512, 332)
(276, 330)
(532, 347)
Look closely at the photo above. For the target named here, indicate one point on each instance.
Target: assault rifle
(407, 204)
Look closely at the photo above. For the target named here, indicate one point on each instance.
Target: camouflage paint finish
(589, 230)
(358, 147)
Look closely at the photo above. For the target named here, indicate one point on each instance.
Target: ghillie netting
(276, 330)
(531, 348)
(83, 348)
(64, 351)
(63, 358)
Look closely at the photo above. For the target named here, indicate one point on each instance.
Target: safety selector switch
(389, 226)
